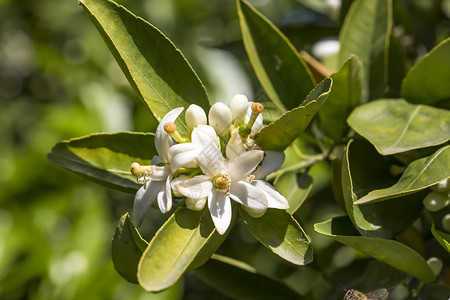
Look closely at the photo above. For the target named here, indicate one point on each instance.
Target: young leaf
(279, 134)
(365, 32)
(395, 126)
(155, 68)
(391, 252)
(419, 175)
(175, 246)
(106, 157)
(240, 281)
(277, 64)
(442, 238)
(127, 248)
(280, 232)
(343, 98)
(427, 81)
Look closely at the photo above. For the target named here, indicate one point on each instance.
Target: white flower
(195, 115)
(156, 179)
(220, 118)
(224, 180)
(238, 107)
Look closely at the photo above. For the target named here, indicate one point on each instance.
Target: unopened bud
(220, 118)
(238, 107)
(195, 204)
(435, 265)
(195, 115)
(254, 213)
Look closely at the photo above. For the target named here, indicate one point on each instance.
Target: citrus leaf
(106, 157)
(127, 248)
(281, 233)
(442, 238)
(155, 68)
(277, 64)
(366, 32)
(238, 280)
(390, 252)
(419, 174)
(279, 134)
(295, 187)
(395, 126)
(175, 247)
(427, 81)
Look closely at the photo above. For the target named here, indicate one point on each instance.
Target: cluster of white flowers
(218, 163)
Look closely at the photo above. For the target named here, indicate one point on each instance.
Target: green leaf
(155, 68)
(295, 187)
(427, 81)
(277, 64)
(365, 32)
(279, 134)
(380, 275)
(281, 233)
(343, 98)
(391, 252)
(364, 170)
(175, 247)
(395, 126)
(127, 248)
(238, 280)
(419, 175)
(442, 238)
(106, 157)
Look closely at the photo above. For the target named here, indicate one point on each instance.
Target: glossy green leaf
(390, 252)
(380, 275)
(277, 64)
(365, 32)
(279, 134)
(238, 280)
(419, 175)
(295, 187)
(106, 157)
(127, 248)
(427, 81)
(175, 247)
(441, 237)
(343, 98)
(394, 125)
(155, 68)
(364, 170)
(281, 233)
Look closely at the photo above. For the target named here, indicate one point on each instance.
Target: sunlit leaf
(343, 98)
(365, 32)
(174, 248)
(279, 134)
(155, 68)
(295, 187)
(277, 64)
(419, 175)
(441, 237)
(394, 125)
(127, 248)
(281, 233)
(427, 81)
(106, 157)
(240, 281)
(391, 252)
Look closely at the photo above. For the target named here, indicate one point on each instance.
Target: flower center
(222, 183)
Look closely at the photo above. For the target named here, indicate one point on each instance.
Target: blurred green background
(59, 81)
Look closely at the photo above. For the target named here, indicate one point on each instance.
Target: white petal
(204, 134)
(272, 161)
(220, 118)
(165, 197)
(163, 141)
(211, 161)
(195, 115)
(197, 187)
(248, 195)
(235, 146)
(244, 164)
(156, 160)
(238, 106)
(184, 155)
(196, 204)
(220, 209)
(158, 173)
(144, 198)
(274, 198)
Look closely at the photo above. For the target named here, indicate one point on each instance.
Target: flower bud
(446, 222)
(435, 265)
(254, 213)
(435, 201)
(442, 186)
(220, 118)
(195, 204)
(195, 115)
(238, 107)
